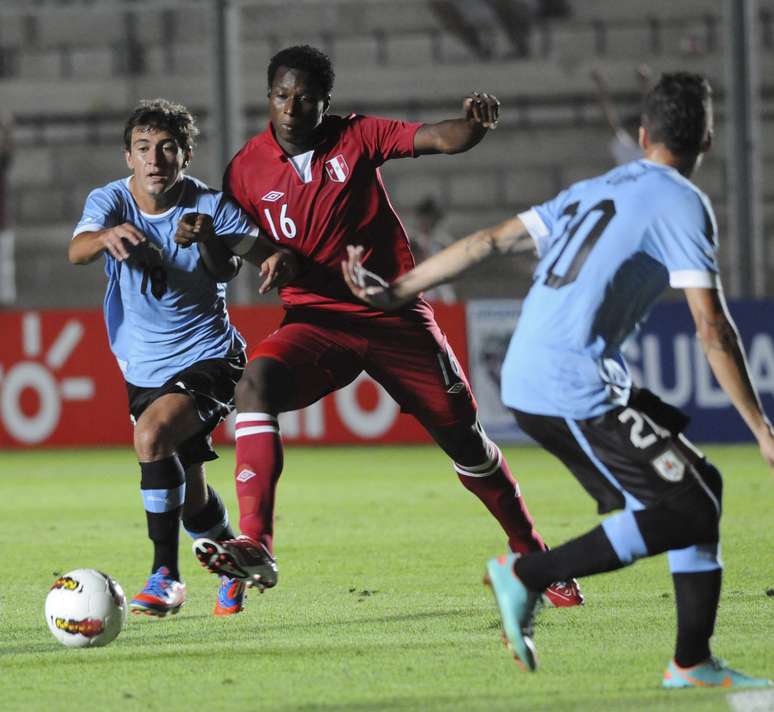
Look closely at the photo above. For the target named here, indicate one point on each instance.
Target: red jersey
(345, 203)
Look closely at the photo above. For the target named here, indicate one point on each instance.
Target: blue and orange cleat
(231, 597)
(518, 606)
(162, 595)
(711, 673)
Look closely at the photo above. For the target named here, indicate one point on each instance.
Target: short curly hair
(161, 114)
(307, 58)
(678, 111)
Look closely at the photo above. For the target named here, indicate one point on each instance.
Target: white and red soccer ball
(85, 608)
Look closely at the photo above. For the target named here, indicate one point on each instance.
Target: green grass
(379, 604)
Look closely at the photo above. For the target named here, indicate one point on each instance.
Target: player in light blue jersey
(168, 243)
(608, 247)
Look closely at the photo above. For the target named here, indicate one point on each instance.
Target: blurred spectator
(694, 42)
(624, 145)
(465, 20)
(428, 237)
(7, 265)
(475, 22)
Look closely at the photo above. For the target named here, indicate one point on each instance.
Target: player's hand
(194, 227)
(365, 285)
(482, 108)
(114, 239)
(277, 270)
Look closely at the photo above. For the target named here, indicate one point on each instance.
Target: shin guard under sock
(259, 459)
(494, 485)
(210, 521)
(696, 599)
(162, 484)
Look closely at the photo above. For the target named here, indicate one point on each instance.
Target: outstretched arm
(482, 111)
(725, 354)
(87, 246)
(507, 238)
(222, 255)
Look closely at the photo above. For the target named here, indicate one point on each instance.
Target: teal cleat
(518, 607)
(711, 673)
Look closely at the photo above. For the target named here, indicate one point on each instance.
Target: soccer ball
(85, 608)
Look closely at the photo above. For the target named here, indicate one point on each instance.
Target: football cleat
(161, 596)
(563, 594)
(518, 607)
(240, 558)
(711, 673)
(231, 597)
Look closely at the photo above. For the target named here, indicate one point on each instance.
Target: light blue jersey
(163, 310)
(608, 247)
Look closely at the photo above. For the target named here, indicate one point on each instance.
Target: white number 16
(287, 225)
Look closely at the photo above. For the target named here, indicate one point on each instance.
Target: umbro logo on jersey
(272, 196)
(337, 169)
(245, 475)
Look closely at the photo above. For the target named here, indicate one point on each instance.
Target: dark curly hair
(161, 114)
(309, 59)
(677, 112)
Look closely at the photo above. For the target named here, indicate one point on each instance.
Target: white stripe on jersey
(87, 227)
(693, 278)
(537, 230)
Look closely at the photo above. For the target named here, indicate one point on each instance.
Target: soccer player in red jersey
(312, 182)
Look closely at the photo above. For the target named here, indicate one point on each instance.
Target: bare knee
(153, 440)
(265, 387)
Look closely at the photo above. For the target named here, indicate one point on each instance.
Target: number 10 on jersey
(286, 224)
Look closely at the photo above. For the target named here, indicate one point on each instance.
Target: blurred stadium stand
(71, 71)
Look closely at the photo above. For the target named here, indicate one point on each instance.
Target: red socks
(259, 464)
(258, 467)
(494, 485)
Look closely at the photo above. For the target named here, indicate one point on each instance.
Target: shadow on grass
(145, 630)
(137, 638)
(8, 647)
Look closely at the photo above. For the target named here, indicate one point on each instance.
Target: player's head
(315, 63)
(300, 82)
(158, 115)
(158, 143)
(677, 114)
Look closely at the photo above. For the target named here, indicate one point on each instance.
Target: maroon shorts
(409, 357)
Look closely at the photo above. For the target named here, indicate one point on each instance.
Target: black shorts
(211, 384)
(632, 455)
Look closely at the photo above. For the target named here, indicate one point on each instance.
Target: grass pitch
(379, 604)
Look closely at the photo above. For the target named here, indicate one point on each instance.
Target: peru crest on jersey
(337, 168)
